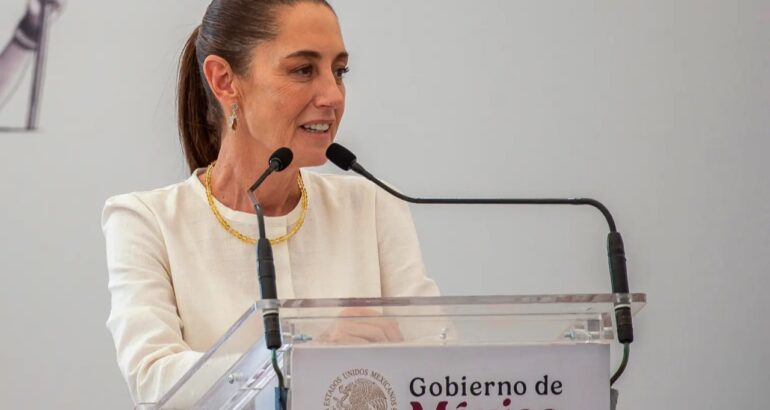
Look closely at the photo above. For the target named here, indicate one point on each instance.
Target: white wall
(107, 127)
(660, 109)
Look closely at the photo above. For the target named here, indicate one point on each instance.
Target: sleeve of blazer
(401, 267)
(143, 319)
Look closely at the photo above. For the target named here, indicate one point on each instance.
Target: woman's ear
(221, 79)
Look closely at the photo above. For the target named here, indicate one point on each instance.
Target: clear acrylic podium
(237, 373)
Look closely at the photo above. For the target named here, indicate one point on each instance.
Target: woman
(255, 76)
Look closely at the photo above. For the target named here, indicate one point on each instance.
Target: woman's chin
(314, 158)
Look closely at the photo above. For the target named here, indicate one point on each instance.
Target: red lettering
(441, 406)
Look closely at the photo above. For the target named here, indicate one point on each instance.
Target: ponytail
(198, 130)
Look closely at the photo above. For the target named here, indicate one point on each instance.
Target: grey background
(658, 108)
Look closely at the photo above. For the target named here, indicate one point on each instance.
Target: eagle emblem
(361, 394)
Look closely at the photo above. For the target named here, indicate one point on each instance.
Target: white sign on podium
(512, 377)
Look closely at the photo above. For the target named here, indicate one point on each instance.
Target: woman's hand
(373, 329)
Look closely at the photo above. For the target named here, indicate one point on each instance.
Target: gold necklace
(248, 239)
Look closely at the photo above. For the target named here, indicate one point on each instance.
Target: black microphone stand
(266, 274)
(271, 320)
(346, 160)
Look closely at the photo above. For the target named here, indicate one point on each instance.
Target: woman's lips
(319, 127)
(317, 134)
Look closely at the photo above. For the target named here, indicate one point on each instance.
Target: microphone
(346, 160)
(279, 160)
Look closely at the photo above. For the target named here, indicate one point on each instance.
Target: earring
(233, 120)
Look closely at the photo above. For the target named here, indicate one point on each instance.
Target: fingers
(367, 331)
(341, 334)
(358, 311)
(388, 327)
(370, 328)
(348, 340)
(355, 333)
(392, 331)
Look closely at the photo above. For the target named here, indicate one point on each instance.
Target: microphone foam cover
(340, 156)
(282, 157)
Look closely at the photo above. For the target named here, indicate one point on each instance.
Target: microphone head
(281, 159)
(340, 156)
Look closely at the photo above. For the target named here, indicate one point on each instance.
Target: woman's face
(294, 95)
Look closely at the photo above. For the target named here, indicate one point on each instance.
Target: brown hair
(230, 29)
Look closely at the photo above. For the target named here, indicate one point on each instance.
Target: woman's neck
(238, 166)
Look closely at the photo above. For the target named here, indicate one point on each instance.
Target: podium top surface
(514, 304)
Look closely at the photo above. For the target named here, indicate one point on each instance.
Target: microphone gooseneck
(279, 160)
(346, 160)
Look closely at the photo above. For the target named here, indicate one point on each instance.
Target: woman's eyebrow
(315, 55)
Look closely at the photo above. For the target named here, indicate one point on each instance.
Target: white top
(178, 280)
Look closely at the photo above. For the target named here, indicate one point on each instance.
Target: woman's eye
(304, 70)
(340, 72)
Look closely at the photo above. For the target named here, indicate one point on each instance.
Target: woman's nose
(330, 92)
